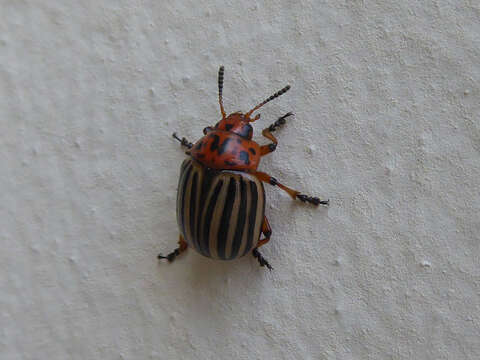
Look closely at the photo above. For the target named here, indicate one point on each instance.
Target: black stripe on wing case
(183, 189)
(251, 216)
(225, 221)
(193, 208)
(204, 241)
(179, 186)
(242, 216)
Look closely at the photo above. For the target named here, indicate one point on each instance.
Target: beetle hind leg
(182, 246)
(261, 259)
(267, 232)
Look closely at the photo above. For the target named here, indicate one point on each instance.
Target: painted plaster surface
(387, 102)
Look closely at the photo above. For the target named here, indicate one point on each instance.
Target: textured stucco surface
(387, 102)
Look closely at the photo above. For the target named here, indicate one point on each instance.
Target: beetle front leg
(293, 193)
(183, 141)
(181, 248)
(267, 232)
(267, 149)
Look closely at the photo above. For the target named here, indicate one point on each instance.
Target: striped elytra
(219, 212)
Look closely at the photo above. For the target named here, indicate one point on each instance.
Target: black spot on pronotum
(252, 150)
(224, 145)
(230, 163)
(198, 146)
(216, 140)
(244, 157)
(246, 131)
(228, 127)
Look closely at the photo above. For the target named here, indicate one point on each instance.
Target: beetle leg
(267, 149)
(183, 141)
(182, 246)
(293, 193)
(267, 232)
(261, 259)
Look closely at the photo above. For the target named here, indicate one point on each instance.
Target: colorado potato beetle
(220, 196)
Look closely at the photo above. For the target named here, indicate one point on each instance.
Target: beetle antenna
(277, 94)
(220, 90)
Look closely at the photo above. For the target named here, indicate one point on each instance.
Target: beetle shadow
(211, 273)
(216, 292)
(218, 276)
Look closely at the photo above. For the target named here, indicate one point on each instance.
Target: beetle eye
(207, 130)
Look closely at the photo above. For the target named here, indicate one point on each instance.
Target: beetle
(220, 195)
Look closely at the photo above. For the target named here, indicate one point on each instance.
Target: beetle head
(238, 123)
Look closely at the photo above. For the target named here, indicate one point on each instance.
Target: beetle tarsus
(312, 200)
(280, 121)
(261, 259)
(181, 248)
(272, 147)
(267, 132)
(170, 257)
(183, 141)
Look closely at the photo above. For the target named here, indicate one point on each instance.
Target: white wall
(387, 102)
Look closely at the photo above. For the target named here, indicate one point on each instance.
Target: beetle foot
(183, 141)
(280, 121)
(312, 200)
(261, 259)
(272, 147)
(170, 257)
